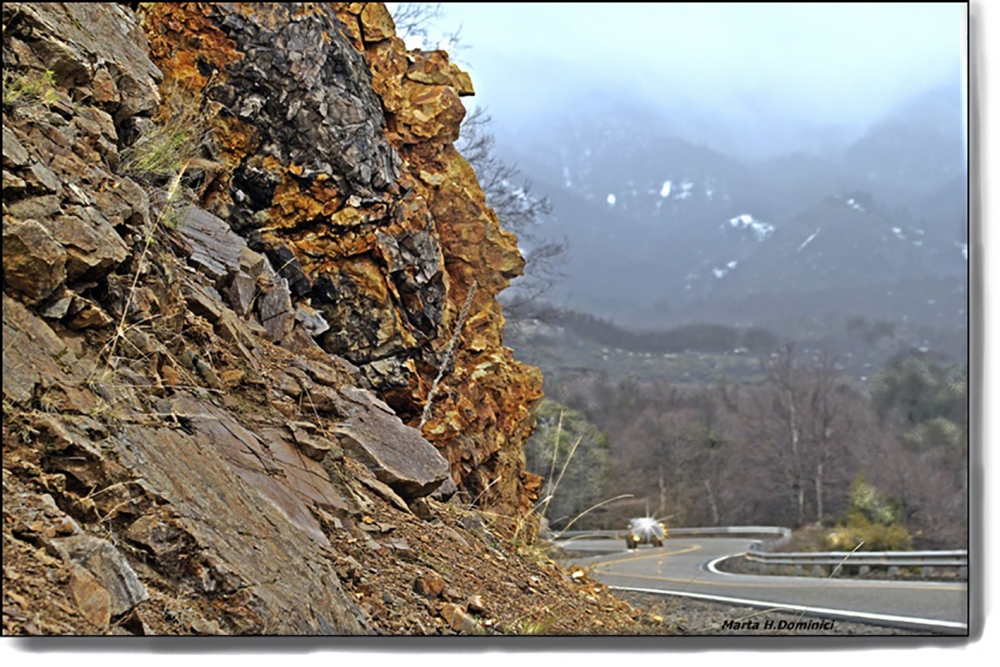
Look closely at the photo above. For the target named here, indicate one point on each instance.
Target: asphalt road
(685, 567)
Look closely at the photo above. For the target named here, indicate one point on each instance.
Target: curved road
(686, 567)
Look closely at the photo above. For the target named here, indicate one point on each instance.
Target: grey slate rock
(14, 154)
(108, 566)
(215, 248)
(240, 293)
(398, 454)
(275, 309)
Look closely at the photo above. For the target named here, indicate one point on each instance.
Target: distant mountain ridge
(660, 226)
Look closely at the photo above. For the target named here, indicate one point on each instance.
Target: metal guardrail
(577, 534)
(871, 558)
(863, 561)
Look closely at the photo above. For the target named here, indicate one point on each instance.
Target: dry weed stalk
(121, 329)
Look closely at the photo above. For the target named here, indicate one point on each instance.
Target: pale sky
(833, 62)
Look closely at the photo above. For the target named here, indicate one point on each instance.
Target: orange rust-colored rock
(338, 147)
(433, 68)
(376, 23)
(488, 397)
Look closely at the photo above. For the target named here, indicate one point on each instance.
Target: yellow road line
(695, 547)
(656, 554)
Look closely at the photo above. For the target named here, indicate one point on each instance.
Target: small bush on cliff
(159, 150)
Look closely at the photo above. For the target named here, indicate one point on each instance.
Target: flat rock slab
(269, 462)
(275, 309)
(215, 248)
(35, 359)
(398, 454)
(233, 496)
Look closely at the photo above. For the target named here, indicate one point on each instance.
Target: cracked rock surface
(216, 361)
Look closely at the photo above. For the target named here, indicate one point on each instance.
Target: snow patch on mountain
(686, 187)
(721, 273)
(761, 230)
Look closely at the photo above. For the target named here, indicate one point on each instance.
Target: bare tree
(519, 211)
(823, 409)
(778, 429)
(416, 23)
(804, 422)
(415, 19)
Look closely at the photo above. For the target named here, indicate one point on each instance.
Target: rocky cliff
(251, 336)
(336, 155)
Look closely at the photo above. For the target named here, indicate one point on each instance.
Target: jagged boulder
(34, 263)
(93, 247)
(398, 454)
(110, 570)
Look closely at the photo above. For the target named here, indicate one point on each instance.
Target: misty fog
(726, 209)
(787, 70)
(667, 137)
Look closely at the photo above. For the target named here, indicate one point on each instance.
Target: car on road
(645, 530)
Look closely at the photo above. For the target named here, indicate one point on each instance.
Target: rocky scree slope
(241, 257)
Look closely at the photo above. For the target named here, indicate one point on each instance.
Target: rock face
(240, 252)
(340, 168)
(65, 208)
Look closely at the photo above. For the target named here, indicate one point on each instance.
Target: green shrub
(870, 535)
(871, 521)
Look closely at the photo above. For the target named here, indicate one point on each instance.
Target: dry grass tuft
(31, 87)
